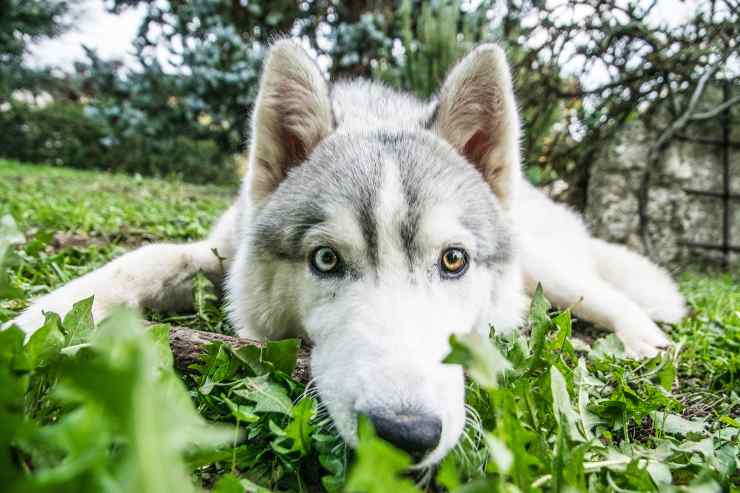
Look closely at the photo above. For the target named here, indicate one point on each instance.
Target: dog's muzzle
(415, 433)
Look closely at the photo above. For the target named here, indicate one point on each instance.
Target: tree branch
(684, 119)
(188, 344)
(716, 111)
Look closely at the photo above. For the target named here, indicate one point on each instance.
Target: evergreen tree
(22, 23)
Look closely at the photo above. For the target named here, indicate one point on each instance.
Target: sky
(112, 34)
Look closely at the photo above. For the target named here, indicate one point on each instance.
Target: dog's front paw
(670, 312)
(643, 339)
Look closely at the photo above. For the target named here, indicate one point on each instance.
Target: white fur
(379, 340)
(606, 284)
(154, 276)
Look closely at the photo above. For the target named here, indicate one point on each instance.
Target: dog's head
(378, 239)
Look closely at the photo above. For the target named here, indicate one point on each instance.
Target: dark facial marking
(348, 172)
(482, 216)
(281, 234)
(429, 122)
(334, 121)
(365, 196)
(410, 224)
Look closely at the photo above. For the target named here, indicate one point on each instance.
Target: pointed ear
(477, 115)
(292, 115)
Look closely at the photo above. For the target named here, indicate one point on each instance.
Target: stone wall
(671, 216)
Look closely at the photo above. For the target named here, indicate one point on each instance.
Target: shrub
(58, 133)
(66, 134)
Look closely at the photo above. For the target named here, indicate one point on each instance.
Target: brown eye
(325, 260)
(453, 262)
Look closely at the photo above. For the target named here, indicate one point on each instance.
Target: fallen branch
(188, 344)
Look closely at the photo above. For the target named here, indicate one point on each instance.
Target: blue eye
(324, 260)
(453, 262)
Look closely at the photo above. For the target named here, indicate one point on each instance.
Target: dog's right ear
(292, 115)
(476, 113)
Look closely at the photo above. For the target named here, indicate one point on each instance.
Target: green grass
(102, 410)
(75, 221)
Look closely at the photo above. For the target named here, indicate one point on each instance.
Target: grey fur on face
(346, 170)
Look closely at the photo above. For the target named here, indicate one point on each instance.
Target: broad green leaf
(160, 333)
(268, 396)
(499, 453)
(659, 472)
(298, 432)
(704, 484)
(562, 408)
(332, 484)
(14, 381)
(274, 356)
(728, 460)
(125, 395)
(667, 373)
(480, 357)
(584, 383)
(218, 365)
(704, 447)
(78, 323)
(9, 235)
(508, 406)
(379, 466)
(282, 354)
(564, 326)
(241, 412)
(229, 483)
(204, 297)
(678, 425)
(448, 474)
(44, 345)
(541, 325)
(607, 346)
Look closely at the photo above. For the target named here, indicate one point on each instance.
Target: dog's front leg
(157, 276)
(595, 300)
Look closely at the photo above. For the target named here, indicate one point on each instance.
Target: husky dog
(376, 225)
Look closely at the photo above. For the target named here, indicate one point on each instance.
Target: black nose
(415, 433)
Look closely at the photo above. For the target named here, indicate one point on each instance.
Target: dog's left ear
(292, 115)
(476, 113)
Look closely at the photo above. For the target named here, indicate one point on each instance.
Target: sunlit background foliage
(582, 68)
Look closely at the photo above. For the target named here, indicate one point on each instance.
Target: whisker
(339, 446)
(473, 413)
(461, 455)
(425, 477)
(468, 448)
(311, 390)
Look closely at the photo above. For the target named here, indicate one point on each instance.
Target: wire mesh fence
(730, 199)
